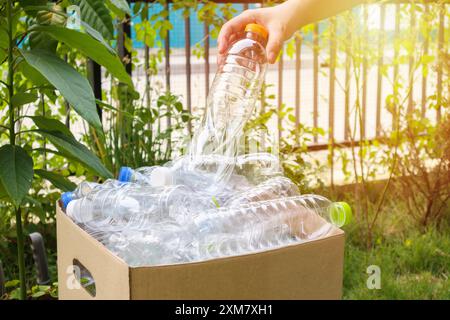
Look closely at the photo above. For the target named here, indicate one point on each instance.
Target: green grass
(415, 266)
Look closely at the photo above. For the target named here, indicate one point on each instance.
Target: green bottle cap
(340, 213)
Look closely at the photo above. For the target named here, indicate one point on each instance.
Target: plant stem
(10, 80)
(20, 253)
(12, 139)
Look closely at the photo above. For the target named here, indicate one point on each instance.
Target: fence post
(412, 31)
(280, 93)
(298, 65)
(439, 57)
(316, 78)
(364, 75)
(167, 71)
(425, 53)
(348, 77)
(380, 67)
(187, 49)
(206, 37)
(94, 73)
(396, 111)
(331, 97)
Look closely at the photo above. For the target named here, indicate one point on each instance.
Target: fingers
(274, 44)
(235, 25)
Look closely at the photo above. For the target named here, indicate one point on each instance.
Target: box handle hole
(84, 277)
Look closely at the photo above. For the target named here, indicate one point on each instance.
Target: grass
(415, 266)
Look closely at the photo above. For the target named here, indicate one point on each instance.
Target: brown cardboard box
(311, 270)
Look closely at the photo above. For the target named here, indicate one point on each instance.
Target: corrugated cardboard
(311, 270)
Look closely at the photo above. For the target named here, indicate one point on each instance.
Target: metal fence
(309, 77)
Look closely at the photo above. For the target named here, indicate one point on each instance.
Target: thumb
(274, 45)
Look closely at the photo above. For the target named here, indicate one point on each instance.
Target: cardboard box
(312, 270)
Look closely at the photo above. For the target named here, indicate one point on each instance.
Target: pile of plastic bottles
(212, 202)
(172, 214)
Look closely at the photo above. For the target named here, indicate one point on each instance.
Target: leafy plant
(423, 169)
(33, 32)
(140, 136)
(37, 292)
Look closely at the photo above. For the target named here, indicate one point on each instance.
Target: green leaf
(96, 35)
(178, 106)
(122, 5)
(32, 74)
(22, 98)
(72, 86)
(91, 48)
(31, 3)
(65, 142)
(39, 40)
(292, 118)
(3, 193)
(2, 54)
(15, 294)
(12, 283)
(4, 42)
(54, 17)
(95, 13)
(38, 294)
(50, 124)
(16, 172)
(57, 180)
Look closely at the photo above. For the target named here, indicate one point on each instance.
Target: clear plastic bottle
(274, 188)
(158, 245)
(142, 175)
(85, 188)
(200, 179)
(225, 244)
(157, 176)
(225, 232)
(305, 217)
(263, 226)
(135, 206)
(232, 99)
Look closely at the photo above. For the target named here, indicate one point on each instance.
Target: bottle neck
(255, 36)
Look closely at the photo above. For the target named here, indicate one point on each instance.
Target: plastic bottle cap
(66, 197)
(340, 213)
(125, 174)
(257, 28)
(161, 176)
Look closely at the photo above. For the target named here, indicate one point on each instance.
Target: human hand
(279, 21)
